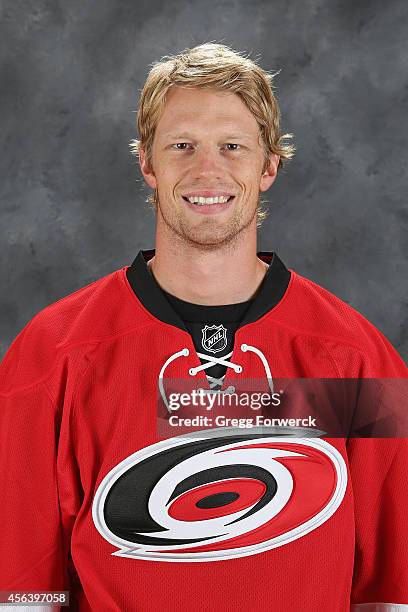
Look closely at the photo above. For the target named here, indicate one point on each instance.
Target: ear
(147, 172)
(270, 172)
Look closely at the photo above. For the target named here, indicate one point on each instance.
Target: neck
(228, 274)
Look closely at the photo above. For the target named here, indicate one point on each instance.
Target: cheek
(251, 181)
(166, 179)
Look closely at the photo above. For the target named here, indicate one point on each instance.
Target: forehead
(192, 108)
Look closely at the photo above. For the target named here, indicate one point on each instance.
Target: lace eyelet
(191, 372)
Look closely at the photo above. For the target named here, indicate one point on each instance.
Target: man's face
(207, 144)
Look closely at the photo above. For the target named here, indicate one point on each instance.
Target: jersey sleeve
(34, 547)
(32, 555)
(378, 469)
(379, 476)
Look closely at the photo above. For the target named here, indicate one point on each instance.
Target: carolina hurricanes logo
(217, 496)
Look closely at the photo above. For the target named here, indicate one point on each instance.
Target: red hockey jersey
(93, 502)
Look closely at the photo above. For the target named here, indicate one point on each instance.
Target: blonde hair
(215, 66)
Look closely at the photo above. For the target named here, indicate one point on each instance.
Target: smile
(214, 205)
(202, 201)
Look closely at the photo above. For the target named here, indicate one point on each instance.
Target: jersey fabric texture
(94, 503)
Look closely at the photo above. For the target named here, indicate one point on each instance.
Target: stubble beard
(209, 235)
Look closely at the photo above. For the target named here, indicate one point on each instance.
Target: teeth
(201, 201)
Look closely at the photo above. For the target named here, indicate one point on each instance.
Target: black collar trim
(150, 294)
(197, 313)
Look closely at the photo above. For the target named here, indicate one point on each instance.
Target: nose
(208, 161)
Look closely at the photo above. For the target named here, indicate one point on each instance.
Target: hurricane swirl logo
(212, 497)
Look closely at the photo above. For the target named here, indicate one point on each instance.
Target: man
(94, 500)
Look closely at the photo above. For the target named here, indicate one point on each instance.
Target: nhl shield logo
(214, 338)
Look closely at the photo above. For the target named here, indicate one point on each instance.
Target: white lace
(210, 361)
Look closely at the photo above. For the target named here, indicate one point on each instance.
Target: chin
(211, 241)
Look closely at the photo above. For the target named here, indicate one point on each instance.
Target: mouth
(209, 205)
(201, 201)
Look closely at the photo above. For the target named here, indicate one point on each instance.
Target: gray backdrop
(72, 203)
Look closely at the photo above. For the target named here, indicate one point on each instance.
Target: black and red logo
(216, 495)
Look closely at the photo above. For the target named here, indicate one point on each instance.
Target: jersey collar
(149, 293)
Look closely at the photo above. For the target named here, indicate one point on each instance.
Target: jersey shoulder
(309, 309)
(73, 324)
(320, 311)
